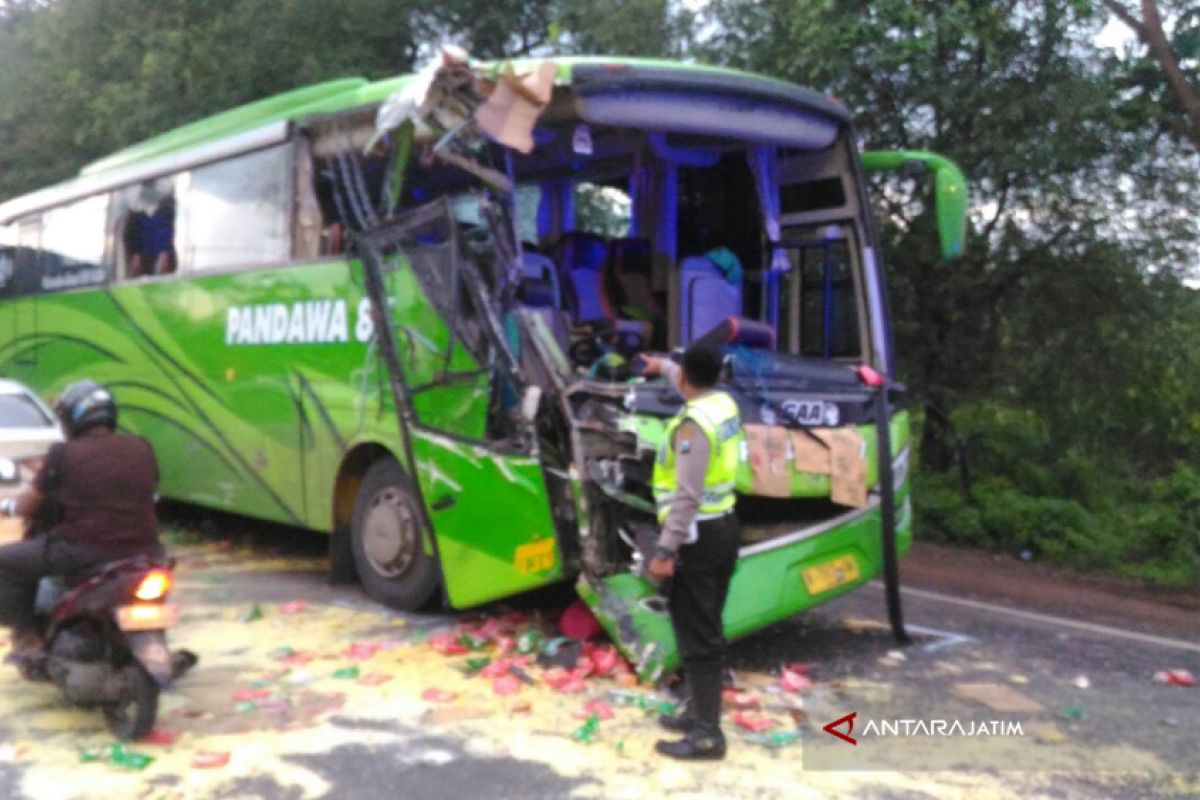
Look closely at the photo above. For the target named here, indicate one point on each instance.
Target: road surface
(1043, 687)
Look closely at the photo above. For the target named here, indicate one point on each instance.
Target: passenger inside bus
(148, 233)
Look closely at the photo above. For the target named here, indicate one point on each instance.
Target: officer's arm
(691, 465)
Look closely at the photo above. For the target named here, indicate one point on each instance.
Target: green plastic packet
(346, 673)
(587, 731)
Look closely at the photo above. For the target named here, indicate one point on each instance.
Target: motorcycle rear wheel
(133, 716)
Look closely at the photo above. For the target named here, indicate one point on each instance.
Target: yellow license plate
(830, 575)
(147, 617)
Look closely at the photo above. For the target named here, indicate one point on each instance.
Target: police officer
(102, 485)
(698, 544)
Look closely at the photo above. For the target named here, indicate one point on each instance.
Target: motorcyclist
(98, 488)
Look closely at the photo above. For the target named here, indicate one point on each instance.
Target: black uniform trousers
(696, 599)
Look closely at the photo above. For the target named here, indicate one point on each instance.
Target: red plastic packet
(506, 685)
(208, 759)
(159, 736)
(601, 709)
(447, 644)
(361, 651)
(293, 607)
(496, 669)
(555, 677)
(743, 701)
(791, 680)
(1175, 677)
(242, 695)
(604, 660)
(373, 679)
(572, 686)
(434, 695)
(752, 721)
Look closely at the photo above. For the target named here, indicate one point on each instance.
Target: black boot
(704, 740)
(702, 743)
(681, 722)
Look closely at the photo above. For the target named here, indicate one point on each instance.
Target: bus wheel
(388, 538)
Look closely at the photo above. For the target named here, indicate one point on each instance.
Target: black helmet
(85, 404)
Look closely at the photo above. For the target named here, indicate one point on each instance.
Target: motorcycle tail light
(154, 586)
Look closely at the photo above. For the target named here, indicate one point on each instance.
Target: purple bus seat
(709, 296)
(629, 274)
(739, 330)
(540, 269)
(581, 260)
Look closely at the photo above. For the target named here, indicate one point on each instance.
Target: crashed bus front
(720, 206)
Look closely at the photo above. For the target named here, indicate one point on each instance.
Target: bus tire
(388, 538)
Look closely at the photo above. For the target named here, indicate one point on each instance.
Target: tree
(1169, 54)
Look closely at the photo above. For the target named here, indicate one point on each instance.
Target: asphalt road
(326, 698)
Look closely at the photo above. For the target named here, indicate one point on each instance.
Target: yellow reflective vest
(717, 416)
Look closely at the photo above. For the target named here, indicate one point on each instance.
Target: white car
(27, 429)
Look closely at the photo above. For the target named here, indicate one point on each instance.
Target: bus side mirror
(949, 191)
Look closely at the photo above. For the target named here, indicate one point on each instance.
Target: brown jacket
(104, 485)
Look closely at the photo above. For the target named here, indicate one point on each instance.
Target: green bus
(405, 312)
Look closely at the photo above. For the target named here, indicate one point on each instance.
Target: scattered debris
(599, 708)
(438, 695)
(159, 736)
(1175, 677)
(578, 622)
(1073, 712)
(116, 755)
(361, 651)
(209, 759)
(1081, 682)
(506, 685)
(742, 701)
(373, 679)
(775, 739)
(252, 614)
(794, 678)
(293, 607)
(753, 721)
(587, 731)
(346, 673)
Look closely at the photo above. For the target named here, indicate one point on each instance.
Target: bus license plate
(830, 575)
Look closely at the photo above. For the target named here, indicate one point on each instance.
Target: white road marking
(945, 638)
(1049, 619)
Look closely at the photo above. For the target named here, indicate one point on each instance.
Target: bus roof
(266, 121)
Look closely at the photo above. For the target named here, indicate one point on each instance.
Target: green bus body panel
(767, 587)
(491, 512)
(257, 418)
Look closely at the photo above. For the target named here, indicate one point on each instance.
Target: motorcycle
(106, 641)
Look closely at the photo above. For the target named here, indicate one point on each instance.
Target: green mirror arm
(950, 191)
